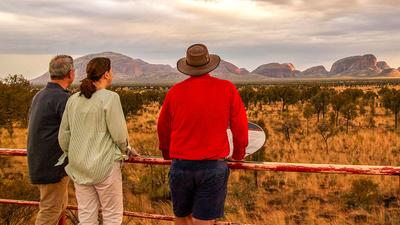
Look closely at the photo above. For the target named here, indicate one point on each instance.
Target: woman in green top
(94, 137)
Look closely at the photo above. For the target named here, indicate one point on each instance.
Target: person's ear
(71, 75)
(107, 75)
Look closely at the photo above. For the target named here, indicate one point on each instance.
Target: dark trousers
(199, 187)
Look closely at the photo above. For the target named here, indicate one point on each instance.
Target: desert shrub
(154, 182)
(17, 189)
(364, 194)
(131, 102)
(290, 124)
(246, 198)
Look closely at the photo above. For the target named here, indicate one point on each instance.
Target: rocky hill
(127, 70)
(365, 65)
(277, 70)
(315, 71)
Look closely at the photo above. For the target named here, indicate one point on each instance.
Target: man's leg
(181, 185)
(111, 197)
(203, 222)
(189, 220)
(63, 218)
(211, 191)
(53, 200)
(184, 220)
(88, 204)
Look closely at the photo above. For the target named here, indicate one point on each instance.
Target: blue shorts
(199, 188)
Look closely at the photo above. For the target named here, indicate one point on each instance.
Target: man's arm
(61, 104)
(239, 125)
(64, 133)
(164, 127)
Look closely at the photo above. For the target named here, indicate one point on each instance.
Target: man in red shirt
(192, 132)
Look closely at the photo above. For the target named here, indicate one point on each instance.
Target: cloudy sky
(244, 32)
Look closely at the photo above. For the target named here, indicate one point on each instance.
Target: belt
(222, 160)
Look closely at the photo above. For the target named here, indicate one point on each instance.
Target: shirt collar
(201, 76)
(56, 86)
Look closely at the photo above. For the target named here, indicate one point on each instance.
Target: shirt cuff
(239, 154)
(165, 154)
(61, 160)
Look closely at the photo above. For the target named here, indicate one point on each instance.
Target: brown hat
(197, 61)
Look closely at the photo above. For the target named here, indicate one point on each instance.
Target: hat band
(208, 61)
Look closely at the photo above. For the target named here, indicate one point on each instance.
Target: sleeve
(116, 123)
(238, 124)
(164, 127)
(60, 107)
(64, 133)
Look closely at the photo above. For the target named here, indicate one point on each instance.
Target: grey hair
(60, 66)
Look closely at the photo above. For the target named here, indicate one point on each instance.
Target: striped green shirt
(93, 135)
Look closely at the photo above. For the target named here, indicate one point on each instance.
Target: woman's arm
(116, 123)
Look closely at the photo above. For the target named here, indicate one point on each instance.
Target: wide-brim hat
(198, 61)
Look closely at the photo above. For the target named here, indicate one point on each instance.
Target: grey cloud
(304, 32)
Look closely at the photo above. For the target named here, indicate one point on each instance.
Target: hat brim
(184, 68)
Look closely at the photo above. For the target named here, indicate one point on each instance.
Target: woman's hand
(132, 153)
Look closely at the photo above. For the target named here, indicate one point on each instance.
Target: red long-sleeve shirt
(195, 116)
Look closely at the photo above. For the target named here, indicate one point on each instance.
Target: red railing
(257, 166)
(267, 166)
(126, 213)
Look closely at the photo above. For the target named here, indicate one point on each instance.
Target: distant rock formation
(356, 65)
(315, 71)
(390, 73)
(125, 69)
(382, 65)
(277, 70)
(244, 71)
(229, 71)
(226, 68)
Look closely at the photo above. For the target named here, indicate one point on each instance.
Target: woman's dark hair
(95, 69)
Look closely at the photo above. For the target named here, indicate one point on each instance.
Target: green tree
(349, 112)
(131, 102)
(338, 100)
(308, 92)
(15, 97)
(326, 131)
(320, 102)
(353, 94)
(308, 112)
(370, 97)
(247, 94)
(391, 100)
(287, 95)
(290, 124)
